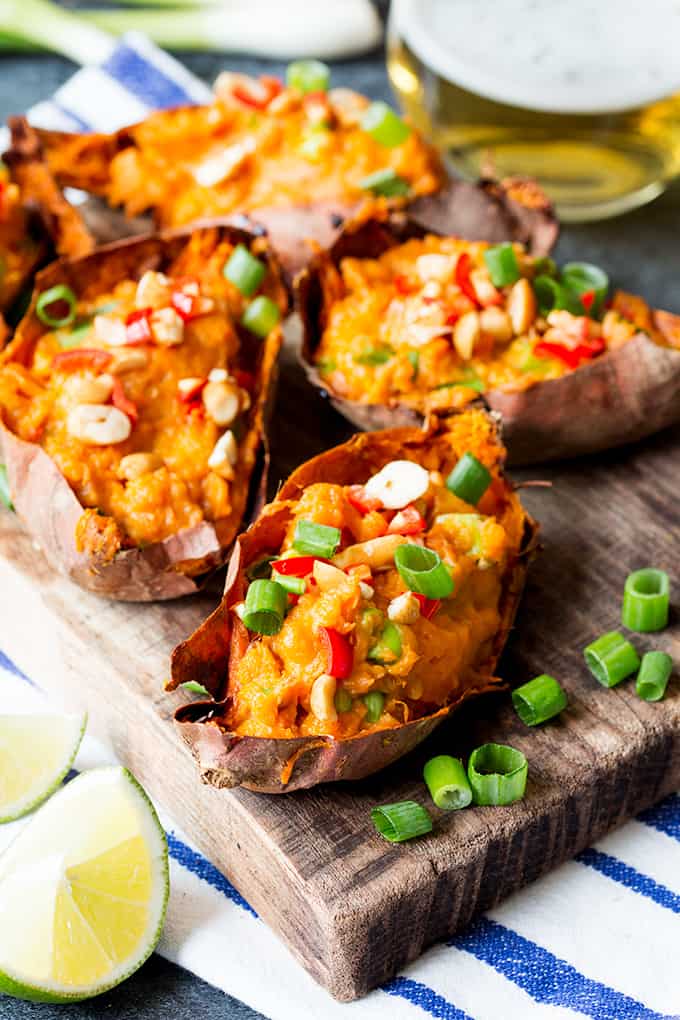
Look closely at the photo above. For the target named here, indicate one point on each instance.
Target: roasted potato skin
(619, 397)
(42, 497)
(270, 765)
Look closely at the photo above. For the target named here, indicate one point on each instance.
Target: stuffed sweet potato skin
(623, 395)
(270, 765)
(43, 498)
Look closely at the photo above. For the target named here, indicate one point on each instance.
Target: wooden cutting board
(352, 908)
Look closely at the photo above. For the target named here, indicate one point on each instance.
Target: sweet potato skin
(283, 765)
(619, 397)
(42, 496)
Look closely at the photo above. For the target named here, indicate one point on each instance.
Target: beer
(583, 96)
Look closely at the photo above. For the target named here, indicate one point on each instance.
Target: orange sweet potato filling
(170, 485)
(402, 327)
(19, 251)
(273, 686)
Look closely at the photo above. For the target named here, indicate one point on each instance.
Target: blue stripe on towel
(145, 81)
(203, 869)
(546, 977)
(633, 879)
(425, 997)
(78, 123)
(7, 664)
(664, 817)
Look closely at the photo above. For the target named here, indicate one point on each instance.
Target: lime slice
(83, 890)
(36, 752)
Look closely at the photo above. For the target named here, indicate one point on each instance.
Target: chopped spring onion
(401, 821)
(316, 539)
(56, 295)
(326, 365)
(545, 266)
(385, 182)
(244, 271)
(261, 315)
(414, 362)
(260, 569)
(195, 688)
(497, 774)
(654, 675)
(646, 596)
(538, 700)
(384, 125)
(502, 264)
(387, 649)
(447, 782)
(611, 659)
(5, 497)
(308, 76)
(75, 336)
(553, 295)
(294, 585)
(265, 608)
(374, 702)
(423, 571)
(375, 355)
(582, 277)
(343, 700)
(469, 480)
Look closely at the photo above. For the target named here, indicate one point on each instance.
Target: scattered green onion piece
(196, 688)
(374, 702)
(387, 649)
(646, 596)
(469, 480)
(308, 76)
(538, 700)
(326, 365)
(611, 659)
(343, 700)
(497, 774)
(423, 571)
(384, 125)
(447, 782)
(261, 315)
(385, 182)
(75, 336)
(260, 569)
(545, 266)
(265, 608)
(654, 675)
(244, 271)
(402, 821)
(5, 497)
(371, 618)
(581, 277)
(316, 539)
(502, 264)
(375, 355)
(295, 585)
(553, 295)
(414, 362)
(51, 297)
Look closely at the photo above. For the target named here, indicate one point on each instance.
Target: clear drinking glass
(584, 96)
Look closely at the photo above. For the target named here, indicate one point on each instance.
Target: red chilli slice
(81, 357)
(407, 522)
(339, 652)
(428, 607)
(123, 403)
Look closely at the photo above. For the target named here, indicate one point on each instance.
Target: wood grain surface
(352, 908)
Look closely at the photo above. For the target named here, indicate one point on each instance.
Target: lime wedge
(36, 752)
(83, 890)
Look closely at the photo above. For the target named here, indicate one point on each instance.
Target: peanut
(167, 327)
(466, 334)
(404, 608)
(87, 389)
(221, 402)
(322, 698)
(522, 306)
(153, 290)
(98, 424)
(128, 359)
(109, 331)
(224, 456)
(134, 465)
(496, 323)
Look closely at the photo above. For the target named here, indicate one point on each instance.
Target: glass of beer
(582, 95)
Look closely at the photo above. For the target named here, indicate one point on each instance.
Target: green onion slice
(447, 782)
(245, 271)
(497, 774)
(265, 608)
(401, 821)
(375, 355)
(384, 125)
(654, 675)
(196, 688)
(469, 480)
(295, 585)
(5, 497)
(538, 700)
(374, 702)
(308, 76)
(385, 182)
(544, 266)
(75, 336)
(343, 700)
(56, 295)
(261, 315)
(502, 264)
(581, 277)
(611, 659)
(423, 571)
(260, 569)
(387, 649)
(414, 362)
(553, 295)
(646, 597)
(316, 539)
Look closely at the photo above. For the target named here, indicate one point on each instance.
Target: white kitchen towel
(596, 938)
